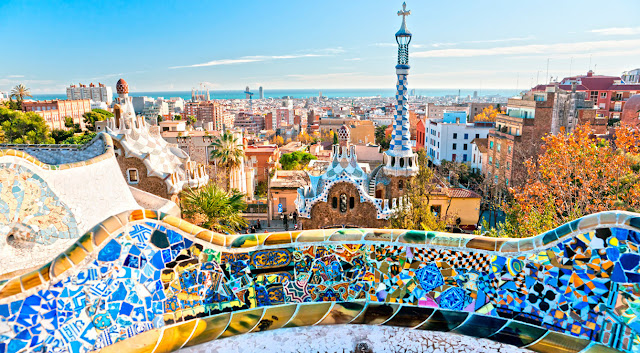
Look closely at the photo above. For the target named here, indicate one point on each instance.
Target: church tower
(399, 160)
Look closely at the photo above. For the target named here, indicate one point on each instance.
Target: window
(465, 147)
(455, 145)
(453, 157)
(490, 145)
(509, 149)
(334, 202)
(464, 157)
(594, 96)
(400, 185)
(132, 176)
(343, 203)
(603, 94)
(352, 202)
(455, 135)
(499, 147)
(497, 163)
(477, 136)
(508, 167)
(466, 136)
(506, 181)
(436, 210)
(490, 160)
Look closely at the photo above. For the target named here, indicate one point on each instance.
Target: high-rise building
(99, 93)
(209, 111)
(261, 92)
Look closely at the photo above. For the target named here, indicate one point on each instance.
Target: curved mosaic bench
(146, 282)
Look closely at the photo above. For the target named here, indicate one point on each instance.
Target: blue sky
(164, 45)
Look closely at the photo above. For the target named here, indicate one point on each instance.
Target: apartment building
(99, 93)
(450, 138)
(55, 111)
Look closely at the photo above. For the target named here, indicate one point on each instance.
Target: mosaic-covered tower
(400, 160)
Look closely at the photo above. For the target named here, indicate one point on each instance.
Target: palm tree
(20, 92)
(216, 209)
(228, 153)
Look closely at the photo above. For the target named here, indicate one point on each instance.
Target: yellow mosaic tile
(554, 342)
(175, 336)
(11, 288)
(30, 280)
(99, 235)
(309, 314)
(142, 343)
(275, 317)
(76, 254)
(242, 322)
(278, 238)
(60, 264)
(209, 329)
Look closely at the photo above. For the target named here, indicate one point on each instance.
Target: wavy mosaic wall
(147, 282)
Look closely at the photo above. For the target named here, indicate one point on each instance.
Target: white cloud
(384, 44)
(515, 39)
(353, 59)
(15, 76)
(617, 31)
(259, 58)
(547, 49)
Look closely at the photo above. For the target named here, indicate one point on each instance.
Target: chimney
(590, 73)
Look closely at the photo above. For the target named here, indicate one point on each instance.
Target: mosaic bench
(143, 281)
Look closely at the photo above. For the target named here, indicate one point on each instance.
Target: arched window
(393, 161)
(334, 202)
(400, 185)
(401, 162)
(352, 202)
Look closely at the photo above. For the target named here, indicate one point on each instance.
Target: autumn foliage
(488, 114)
(576, 175)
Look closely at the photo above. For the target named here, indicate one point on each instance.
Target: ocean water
(305, 93)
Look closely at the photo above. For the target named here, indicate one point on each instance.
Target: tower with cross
(399, 159)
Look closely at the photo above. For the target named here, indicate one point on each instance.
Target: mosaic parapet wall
(51, 195)
(146, 282)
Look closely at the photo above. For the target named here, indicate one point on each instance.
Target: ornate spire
(403, 38)
(400, 159)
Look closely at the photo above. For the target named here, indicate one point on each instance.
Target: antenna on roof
(548, 67)
(590, 55)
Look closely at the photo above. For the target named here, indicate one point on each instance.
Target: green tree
(60, 135)
(177, 117)
(416, 210)
(261, 189)
(335, 138)
(106, 113)
(20, 92)
(381, 137)
(28, 128)
(68, 122)
(228, 153)
(213, 208)
(80, 139)
(191, 120)
(90, 119)
(295, 160)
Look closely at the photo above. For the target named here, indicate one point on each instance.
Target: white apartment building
(450, 138)
(99, 93)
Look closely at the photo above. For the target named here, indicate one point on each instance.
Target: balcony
(505, 135)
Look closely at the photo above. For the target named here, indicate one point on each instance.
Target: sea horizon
(306, 93)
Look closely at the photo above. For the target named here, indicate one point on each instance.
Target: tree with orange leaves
(576, 175)
(488, 114)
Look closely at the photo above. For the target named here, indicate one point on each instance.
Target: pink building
(54, 112)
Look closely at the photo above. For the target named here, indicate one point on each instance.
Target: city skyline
(282, 45)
